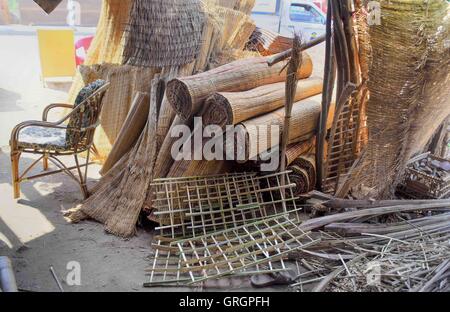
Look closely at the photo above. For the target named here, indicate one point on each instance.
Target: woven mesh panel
(164, 32)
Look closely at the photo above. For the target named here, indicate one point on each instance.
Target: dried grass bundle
(230, 108)
(130, 132)
(186, 95)
(107, 46)
(267, 42)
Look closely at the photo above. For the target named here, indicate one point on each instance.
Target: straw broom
(186, 95)
(230, 108)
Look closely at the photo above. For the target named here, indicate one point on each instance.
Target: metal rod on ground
(7, 278)
(56, 279)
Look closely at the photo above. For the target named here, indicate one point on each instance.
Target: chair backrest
(85, 115)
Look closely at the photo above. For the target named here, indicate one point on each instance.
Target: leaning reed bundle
(130, 132)
(186, 95)
(304, 121)
(230, 108)
(125, 82)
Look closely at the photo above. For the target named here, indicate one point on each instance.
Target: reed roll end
(218, 111)
(179, 97)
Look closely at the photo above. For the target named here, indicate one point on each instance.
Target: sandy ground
(33, 231)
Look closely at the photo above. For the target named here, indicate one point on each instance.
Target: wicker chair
(71, 135)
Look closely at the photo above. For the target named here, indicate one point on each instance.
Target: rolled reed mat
(254, 136)
(230, 108)
(308, 163)
(187, 95)
(301, 178)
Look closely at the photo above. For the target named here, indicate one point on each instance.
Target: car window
(304, 13)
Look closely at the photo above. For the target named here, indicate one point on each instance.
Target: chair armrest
(52, 106)
(16, 131)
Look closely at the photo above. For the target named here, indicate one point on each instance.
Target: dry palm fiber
(230, 108)
(130, 132)
(409, 94)
(125, 81)
(186, 95)
(107, 46)
(304, 120)
(267, 42)
(164, 32)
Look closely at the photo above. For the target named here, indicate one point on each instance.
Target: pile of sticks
(396, 245)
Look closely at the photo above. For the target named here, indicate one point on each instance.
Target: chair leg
(45, 163)
(83, 179)
(15, 157)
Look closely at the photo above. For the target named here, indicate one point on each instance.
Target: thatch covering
(409, 93)
(164, 32)
(230, 108)
(186, 95)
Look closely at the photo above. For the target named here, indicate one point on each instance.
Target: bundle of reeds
(130, 132)
(125, 82)
(186, 95)
(267, 42)
(304, 120)
(230, 108)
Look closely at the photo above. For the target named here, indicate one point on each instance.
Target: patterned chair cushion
(42, 138)
(84, 94)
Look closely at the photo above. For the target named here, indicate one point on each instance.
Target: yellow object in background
(57, 53)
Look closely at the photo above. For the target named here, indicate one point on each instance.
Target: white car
(302, 17)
